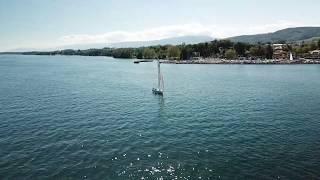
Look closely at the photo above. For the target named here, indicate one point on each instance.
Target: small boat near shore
(139, 61)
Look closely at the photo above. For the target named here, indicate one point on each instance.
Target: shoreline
(204, 61)
(244, 62)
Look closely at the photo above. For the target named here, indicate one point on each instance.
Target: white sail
(159, 75)
(160, 88)
(291, 56)
(162, 83)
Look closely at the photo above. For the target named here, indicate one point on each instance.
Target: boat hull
(157, 91)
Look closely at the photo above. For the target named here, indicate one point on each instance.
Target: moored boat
(160, 88)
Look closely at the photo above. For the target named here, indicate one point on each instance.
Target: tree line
(214, 49)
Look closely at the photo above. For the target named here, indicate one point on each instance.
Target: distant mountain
(135, 44)
(167, 41)
(23, 50)
(288, 35)
(82, 46)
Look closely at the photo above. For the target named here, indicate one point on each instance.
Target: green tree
(186, 52)
(305, 49)
(104, 52)
(231, 54)
(149, 53)
(162, 54)
(257, 51)
(240, 48)
(319, 44)
(254, 51)
(68, 52)
(174, 52)
(139, 54)
(312, 46)
(268, 52)
(123, 53)
(297, 50)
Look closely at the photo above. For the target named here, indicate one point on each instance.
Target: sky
(42, 24)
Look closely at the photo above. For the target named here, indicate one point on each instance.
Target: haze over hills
(135, 44)
(288, 35)
(171, 41)
(297, 34)
(129, 44)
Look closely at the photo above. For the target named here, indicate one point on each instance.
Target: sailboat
(160, 88)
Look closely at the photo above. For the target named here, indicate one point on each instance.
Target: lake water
(96, 118)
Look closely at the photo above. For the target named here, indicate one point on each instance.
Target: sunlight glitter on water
(98, 118)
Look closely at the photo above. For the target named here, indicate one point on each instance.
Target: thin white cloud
(214, 31)
(144, 35)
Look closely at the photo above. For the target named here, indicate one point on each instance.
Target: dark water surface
(95, 118)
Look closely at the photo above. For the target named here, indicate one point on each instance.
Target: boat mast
(158, 74)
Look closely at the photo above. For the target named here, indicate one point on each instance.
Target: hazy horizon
(48, 24)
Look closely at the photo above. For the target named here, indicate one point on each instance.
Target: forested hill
(288, 35)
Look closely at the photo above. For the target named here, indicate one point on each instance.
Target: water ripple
(95, 118)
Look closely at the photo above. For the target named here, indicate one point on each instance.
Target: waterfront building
(280, 52)
(315, 54)
(195, 56)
